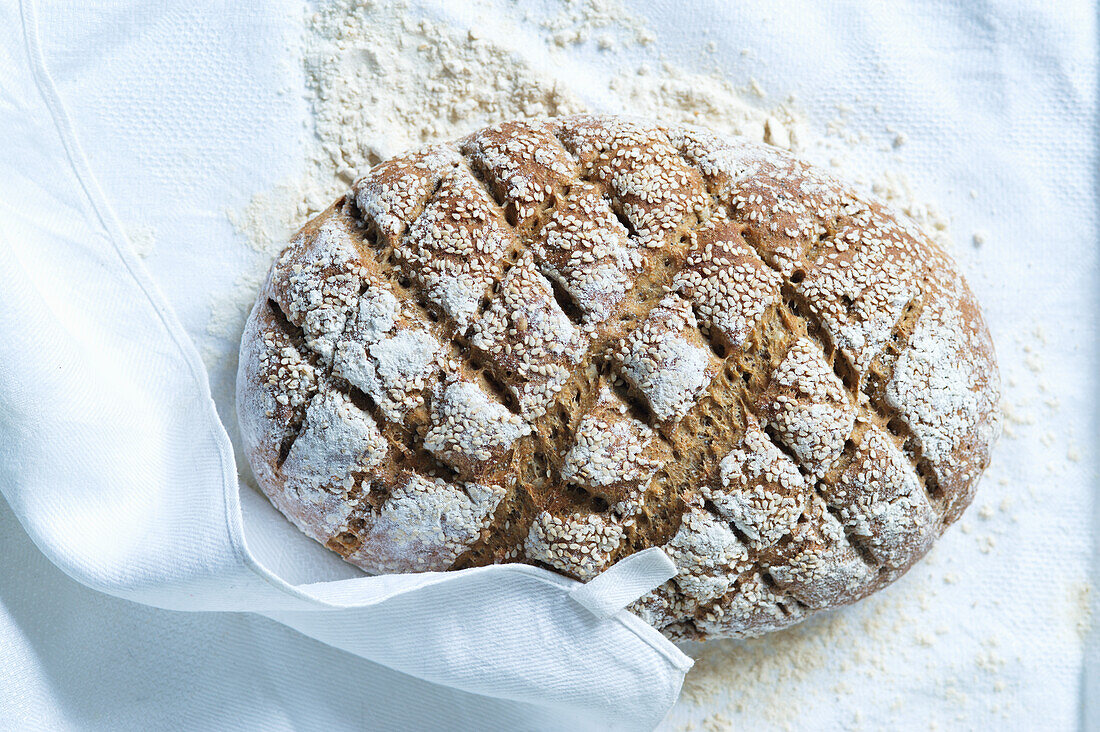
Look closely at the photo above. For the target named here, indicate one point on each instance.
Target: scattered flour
(382, 80)
(143, 239)
(578, 21)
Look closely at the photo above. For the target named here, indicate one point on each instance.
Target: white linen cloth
(115, 464)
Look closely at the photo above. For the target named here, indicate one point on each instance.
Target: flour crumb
(143, 239)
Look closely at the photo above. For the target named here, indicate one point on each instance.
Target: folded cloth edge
(624, 582)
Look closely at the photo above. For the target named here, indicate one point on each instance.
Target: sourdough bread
(563, 341)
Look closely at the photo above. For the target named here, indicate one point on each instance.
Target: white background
(998, 99)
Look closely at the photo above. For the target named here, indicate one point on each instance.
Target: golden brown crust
(563, 341)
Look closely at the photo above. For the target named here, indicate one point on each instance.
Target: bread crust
(563, 341)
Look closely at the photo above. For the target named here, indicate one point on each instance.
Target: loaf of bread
(563, 341)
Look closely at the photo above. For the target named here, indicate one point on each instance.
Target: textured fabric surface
(116, 467)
